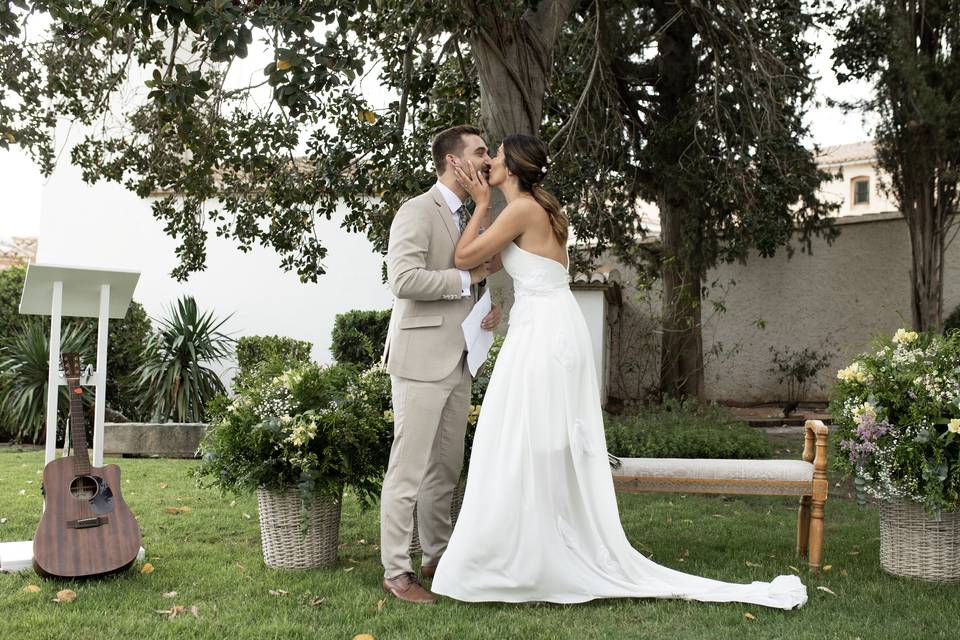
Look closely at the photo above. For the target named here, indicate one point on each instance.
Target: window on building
(861, 191)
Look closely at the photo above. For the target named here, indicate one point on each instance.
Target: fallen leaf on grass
(22, 492)
(279, 592)
(361, 541)
(246, 516)
(794, 569)
(349, 569)
(753, 564)
(316, 602)
(827, 590)
(233, 503)
(717, 515)
(3, 521)
(66, 595)
(31, 588)
(828, 567)
(164, 485)
(170, 594)
(749, 616)
(380, 605)
(173, 611)
(147, 568)
(177, 510)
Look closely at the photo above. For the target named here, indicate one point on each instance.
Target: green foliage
(126, 338)
(174, 382)
(11, 288)
(897, 413)
(952, 323)
(358, 337)
(684, 429)
(310, 427)
(24, 363)
(617, 110)
(798, 368)
(253, 350)
(256, 353)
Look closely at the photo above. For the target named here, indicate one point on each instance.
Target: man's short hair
(450, 141)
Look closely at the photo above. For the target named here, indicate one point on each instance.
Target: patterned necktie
(463, 215)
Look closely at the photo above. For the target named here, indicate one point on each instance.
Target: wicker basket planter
(455, 503)
(914, 545)
(284, 544)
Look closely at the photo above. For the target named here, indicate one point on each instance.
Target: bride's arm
(475, 248)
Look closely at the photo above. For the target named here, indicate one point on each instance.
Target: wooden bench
(806, 478)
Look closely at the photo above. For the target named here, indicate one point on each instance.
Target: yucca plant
(174, 380)
(24, 366)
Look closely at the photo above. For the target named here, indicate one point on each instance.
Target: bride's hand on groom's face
(473, 180)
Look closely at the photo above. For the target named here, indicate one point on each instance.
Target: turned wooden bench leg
(816, 435)
(816, 535)
(803, 525)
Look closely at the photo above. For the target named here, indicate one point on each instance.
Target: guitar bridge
(87, 523)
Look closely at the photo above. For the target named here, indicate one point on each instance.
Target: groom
(426, 357)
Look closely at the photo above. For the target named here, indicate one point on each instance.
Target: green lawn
(210, 556)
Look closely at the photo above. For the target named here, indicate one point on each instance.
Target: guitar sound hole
(84, 487)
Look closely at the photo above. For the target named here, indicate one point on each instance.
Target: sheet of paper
(478, 340)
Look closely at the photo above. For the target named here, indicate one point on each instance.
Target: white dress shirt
(455, 203)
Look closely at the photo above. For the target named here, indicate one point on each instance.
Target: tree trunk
(927, 224)
(681, 348)
(681, 229)
(514, 59)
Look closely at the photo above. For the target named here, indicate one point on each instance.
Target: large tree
(694, 105)
(910, 51)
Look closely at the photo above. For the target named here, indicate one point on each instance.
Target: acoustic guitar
(86, 530)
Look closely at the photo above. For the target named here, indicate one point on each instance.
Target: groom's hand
(492, 319)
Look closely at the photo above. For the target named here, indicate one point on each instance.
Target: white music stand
(57, 291)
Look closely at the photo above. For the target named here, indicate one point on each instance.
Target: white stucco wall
(849, 292)
(593, 305)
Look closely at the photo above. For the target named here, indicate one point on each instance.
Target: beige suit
(424, 355)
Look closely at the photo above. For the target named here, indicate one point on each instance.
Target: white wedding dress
(539, 520)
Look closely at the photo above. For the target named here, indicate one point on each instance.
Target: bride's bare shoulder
(523, 207)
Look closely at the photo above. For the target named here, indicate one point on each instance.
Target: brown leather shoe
(428, 571)
(406, 587)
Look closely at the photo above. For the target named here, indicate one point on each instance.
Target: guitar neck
(78, 431)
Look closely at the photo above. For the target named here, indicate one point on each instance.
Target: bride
(539, 520)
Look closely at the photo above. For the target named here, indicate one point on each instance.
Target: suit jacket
(424, 340)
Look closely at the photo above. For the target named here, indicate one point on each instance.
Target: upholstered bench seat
(806, 478)
(761, 477)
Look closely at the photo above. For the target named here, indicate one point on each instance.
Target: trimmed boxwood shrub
(253, 352)
(358, 337)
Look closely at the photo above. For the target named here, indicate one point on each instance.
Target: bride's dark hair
(528, 158)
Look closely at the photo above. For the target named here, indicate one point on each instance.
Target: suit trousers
(430, 425)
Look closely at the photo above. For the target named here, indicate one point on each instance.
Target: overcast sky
(21, 183)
